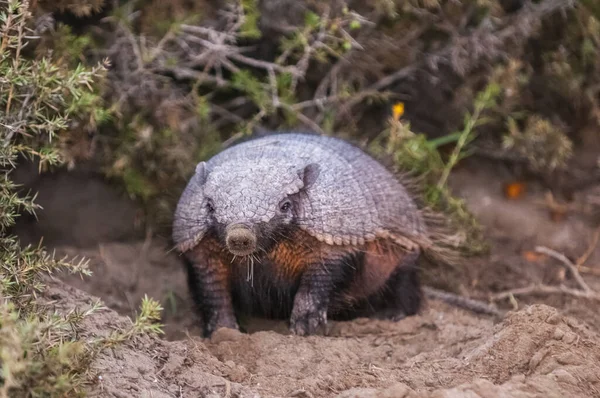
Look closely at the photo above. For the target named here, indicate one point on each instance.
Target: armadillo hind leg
(402, 295)
(207, 283)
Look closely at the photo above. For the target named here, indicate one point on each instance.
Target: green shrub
(40, 102)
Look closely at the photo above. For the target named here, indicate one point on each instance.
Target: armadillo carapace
(302, 227)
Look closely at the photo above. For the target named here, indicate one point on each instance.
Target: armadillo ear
(201, 173)
(309, 174)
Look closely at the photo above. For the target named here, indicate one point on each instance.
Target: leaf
(355, 25)
(311, 19)
(445, 139)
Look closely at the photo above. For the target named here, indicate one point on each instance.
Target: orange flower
(533, 257)
(398, 110)
(514, 190)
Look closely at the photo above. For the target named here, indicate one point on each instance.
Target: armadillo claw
(220, 321)
(390, 314)
(308, 317)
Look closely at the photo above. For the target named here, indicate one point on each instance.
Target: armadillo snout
(240, 240)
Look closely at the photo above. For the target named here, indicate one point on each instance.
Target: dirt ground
(548, 347)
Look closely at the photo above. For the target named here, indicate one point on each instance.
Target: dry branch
(570, 266)
(584, 292)
(585, 256)
(544, 289)
(589, 270)
(476, 306)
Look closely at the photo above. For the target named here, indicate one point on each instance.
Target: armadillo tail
(442, 244)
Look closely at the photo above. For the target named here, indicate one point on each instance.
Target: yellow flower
(398, 110)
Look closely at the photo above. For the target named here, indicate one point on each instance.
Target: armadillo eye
(285, 206)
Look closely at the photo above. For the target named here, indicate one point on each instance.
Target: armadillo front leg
(309, 313)
(208, 283)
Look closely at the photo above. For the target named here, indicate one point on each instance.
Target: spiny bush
(41, 354)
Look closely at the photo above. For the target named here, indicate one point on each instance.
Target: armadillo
(303, 227)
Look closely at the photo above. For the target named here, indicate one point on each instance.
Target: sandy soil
(443, 352)
(548, 347)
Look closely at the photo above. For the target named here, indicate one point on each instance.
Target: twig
(273, 85)
(161, 44)
(329, 82)
(334, 98)
(398, 75)
(225, 52)
(212, 33)
(562, 258)
(545, 289)
(476, 306)
(553, 205)
(134, 45)
(585, 256)
(264, 64)
(304, 119)
(303, 63)
(589, 270)
(181, 73)
(584, 292)
(226, 114)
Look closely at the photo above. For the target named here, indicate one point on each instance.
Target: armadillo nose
(240, 240)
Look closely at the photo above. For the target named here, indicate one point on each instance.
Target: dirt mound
(443, 352)
(442, 348)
